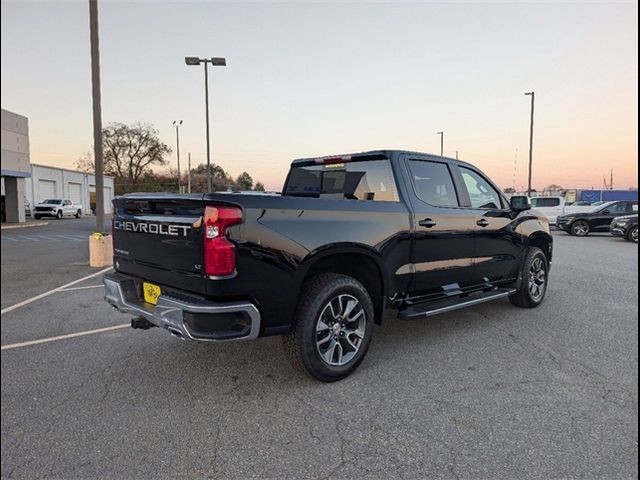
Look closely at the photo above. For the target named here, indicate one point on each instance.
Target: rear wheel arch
(358, 263)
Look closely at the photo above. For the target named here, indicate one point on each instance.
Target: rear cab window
(369, 180)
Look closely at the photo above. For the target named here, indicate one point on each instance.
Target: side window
(67, 202)
(433, 183)
(624, 207)
(545, 202)
(481, 193)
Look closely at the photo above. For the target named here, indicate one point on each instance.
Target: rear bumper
(193, 319)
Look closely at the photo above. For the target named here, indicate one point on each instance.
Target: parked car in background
(58, 208)
(598, 219)
(625, 227)
(553, 207)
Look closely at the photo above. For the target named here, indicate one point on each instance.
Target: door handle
(427, 222)
(482, 223)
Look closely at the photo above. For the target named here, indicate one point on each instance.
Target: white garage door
(107, 199)
(75, 193)
(46, 189)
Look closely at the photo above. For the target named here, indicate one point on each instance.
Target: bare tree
(130, 150)
(85, 163)
(129, 153)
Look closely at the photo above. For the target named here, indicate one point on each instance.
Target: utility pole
(441, 143)
(97, 113)
(456, 154)
(189, 175)
(611, 180)
(177, 125)
(533, 98)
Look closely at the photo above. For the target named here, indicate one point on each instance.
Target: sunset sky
(319, 78)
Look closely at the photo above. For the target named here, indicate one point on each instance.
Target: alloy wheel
(580, 229)
(537, 279)
(340, 330)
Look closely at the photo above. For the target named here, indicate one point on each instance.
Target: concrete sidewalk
(27, 224)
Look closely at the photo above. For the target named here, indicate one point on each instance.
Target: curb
(26, 225)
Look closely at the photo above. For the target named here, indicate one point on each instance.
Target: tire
(78, 214)
(632, 234)
(59, 215)
(580, 228)
(37, 217)
(325, 299)
(535, 269)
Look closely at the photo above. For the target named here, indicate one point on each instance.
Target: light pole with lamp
(214, 61)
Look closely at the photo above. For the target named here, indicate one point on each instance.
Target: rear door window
(433, 183)
(622, 207)
(366, 180)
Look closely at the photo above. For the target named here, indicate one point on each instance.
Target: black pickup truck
(349, 237)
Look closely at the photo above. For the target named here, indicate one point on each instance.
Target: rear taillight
(219, 253)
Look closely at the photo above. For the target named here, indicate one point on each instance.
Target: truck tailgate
(159, 238)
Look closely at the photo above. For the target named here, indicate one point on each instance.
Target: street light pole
(214, 61)
(189, 175)
(206, 101)
(441, 143)
(177, 125)
(97, 113)
(533, 98)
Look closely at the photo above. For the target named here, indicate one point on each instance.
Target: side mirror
(605, 212)
(520, 203)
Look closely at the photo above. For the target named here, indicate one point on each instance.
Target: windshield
(601, 206)
(52, 201)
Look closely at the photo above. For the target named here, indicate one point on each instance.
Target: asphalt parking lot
(490, 392)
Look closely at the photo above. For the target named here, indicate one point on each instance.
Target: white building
(25, 184)
(53, 182)
(15, 165)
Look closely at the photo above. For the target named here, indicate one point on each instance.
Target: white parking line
(51, 239)
(51, 292)
(61, 337)
(81, 288)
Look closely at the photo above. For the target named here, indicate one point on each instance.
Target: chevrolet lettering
(349, 237)
(154, 228)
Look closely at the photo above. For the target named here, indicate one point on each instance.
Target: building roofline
(67, 169)
(16, 114)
